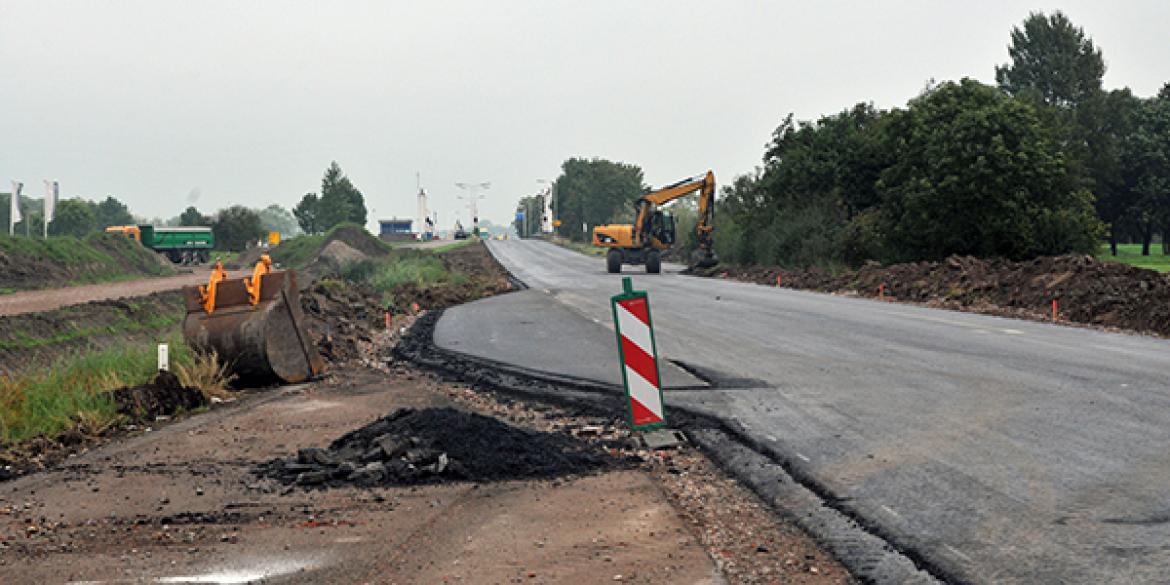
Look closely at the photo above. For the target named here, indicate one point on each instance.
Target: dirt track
(34, 301)
(181, 504)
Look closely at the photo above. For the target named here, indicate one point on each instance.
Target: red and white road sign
(639, 355)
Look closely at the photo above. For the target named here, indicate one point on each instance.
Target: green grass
(298, 251)
(52, 400)
(98, 257)
(582, 247)
(452, 246)
(405, 267)
(1132, 254)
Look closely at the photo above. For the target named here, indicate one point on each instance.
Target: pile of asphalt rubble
(437, 445)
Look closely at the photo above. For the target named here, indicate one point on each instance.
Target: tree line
(235, 227)
(1046, 161)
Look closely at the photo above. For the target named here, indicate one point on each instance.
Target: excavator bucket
(258, 333)
(704, 258)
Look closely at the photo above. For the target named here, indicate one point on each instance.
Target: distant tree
(531, 208)
(1054, 60)
(112, 212)
(73, 217)
(977, 173)
(1146, 162)
(595, 191)
(275, 218)
(192, 217)
(306, 214)
(340, 201)
(1103, 123)
(235, 227)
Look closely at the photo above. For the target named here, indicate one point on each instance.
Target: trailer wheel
(653, 262)
(613, 261)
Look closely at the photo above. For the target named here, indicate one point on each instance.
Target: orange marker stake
(779, 280)
(1055, 311)
(882, 291)
(387, 319)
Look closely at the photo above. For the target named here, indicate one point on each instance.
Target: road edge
(859, 545)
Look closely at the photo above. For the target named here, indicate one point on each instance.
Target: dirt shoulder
(34, 301)
(1087, 291)
(182, 503)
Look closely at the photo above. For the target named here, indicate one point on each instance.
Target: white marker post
(164, 364)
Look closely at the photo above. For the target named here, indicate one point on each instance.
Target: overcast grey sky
(247, 102)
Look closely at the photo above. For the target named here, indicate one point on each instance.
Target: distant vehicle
(181, 245)
(460, 233)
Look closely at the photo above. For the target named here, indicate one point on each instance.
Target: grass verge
(51, 400)
(405, 267)
(582, 247)
(63, 260)
(1132, 254)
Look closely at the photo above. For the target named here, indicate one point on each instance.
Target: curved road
(1001, 451)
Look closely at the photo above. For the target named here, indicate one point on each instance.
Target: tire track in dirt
(35, 301)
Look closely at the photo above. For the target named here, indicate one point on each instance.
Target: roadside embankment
(34, 263)
(1086, 290)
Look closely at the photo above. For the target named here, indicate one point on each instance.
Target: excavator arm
(705, 185)
(643, 242)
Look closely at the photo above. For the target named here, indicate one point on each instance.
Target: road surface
(997, 450)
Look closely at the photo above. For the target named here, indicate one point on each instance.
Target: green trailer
(183, 245)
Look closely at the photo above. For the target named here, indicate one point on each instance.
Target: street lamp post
(552, 208)
(471, 189)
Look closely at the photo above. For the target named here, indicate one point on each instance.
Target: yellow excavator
(653, 230)
(254, 324)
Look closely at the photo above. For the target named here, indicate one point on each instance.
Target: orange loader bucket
(260, 341)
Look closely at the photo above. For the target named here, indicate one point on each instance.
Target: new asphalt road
(999, 451)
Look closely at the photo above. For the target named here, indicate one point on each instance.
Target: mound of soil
(34, 263)
(163, 396)
(436, 445)
(1088, 290)
(359, 239)
(339, 315)
(484, 277)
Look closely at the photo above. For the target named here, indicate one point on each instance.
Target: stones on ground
(433, 445)
(659, 439)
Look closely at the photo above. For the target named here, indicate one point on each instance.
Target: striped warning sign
(639, 357)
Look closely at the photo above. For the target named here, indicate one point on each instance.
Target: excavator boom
(652, 233)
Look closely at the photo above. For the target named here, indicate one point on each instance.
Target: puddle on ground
(247, 571)
(307, 406)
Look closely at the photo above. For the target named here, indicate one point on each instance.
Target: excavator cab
(254, 324)
(662, 227)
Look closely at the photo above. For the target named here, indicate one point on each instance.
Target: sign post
(639, 357)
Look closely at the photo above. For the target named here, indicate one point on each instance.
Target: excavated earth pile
(340, 316)
(1087, 290)
(163, 396)
(437, 445)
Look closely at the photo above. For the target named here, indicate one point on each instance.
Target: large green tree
(340, 200)
(1146, 163)
(235, 227)
(593, 192)
(73, 217)
(1053, 60)
(306, 214)
(112, 212)
(275, 218)
(192, 217)
(977, 172)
